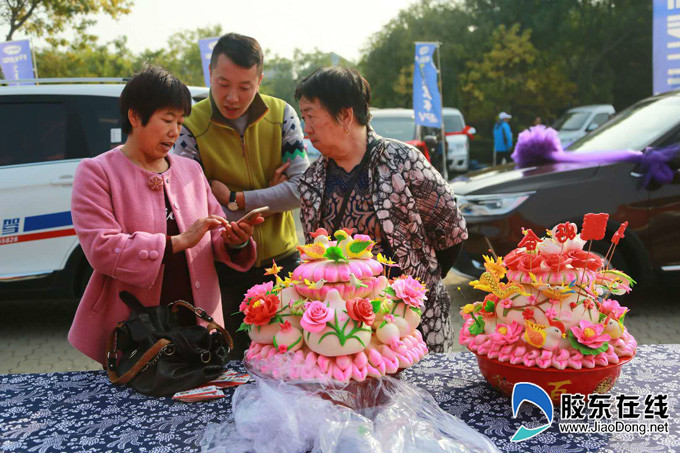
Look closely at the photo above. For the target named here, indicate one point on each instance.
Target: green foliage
(50, 17)
(529, 57)
(512, 76)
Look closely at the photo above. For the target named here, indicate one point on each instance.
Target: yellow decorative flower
(469, 308)
(496, 266)
(275, 269)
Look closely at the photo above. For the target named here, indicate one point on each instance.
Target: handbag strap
(211, 324)
(147, 357)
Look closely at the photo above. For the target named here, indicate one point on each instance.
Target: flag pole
(445, 166)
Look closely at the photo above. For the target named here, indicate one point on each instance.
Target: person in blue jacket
(502, 138)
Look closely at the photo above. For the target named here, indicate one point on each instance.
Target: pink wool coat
(121, 225)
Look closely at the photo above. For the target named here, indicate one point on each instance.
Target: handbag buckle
(203, 315)
(111, 358)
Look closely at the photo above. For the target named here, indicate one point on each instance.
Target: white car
(49, 129)
(399, 123)
(578, 121)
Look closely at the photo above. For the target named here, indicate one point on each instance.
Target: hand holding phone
(250, 217)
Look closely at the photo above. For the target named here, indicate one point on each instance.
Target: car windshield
(453, 123)
(398, 128)
(635, 128)
(571, 121)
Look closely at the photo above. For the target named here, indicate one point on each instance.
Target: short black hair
(337, 88)
(242, 50)
(151, 89)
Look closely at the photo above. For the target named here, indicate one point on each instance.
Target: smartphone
(252, 214)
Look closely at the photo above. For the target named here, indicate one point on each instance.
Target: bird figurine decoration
(613, 327)
(540, 336)
(356, 282)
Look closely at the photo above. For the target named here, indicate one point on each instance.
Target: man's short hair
(151, 89)
(337, 88)
(242, 50)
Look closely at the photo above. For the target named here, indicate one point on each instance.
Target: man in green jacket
(251, 149)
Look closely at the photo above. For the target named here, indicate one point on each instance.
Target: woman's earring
(346, 131)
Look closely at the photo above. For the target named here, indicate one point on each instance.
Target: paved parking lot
(33, 333)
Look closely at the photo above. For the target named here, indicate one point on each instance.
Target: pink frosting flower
(551, 313)
(589, 334)
(554, 301)
(256, 292)
(410, 290)
(389, 318)
(532, 299)
(507, 333)
(283, 348)
(316, 316)
(506, 303)
(285, 326)
(612, 307)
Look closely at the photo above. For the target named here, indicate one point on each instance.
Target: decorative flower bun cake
(555, 310)
(337, 317)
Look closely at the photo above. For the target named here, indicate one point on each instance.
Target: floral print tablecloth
(83, 412)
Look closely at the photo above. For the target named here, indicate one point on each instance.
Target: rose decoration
(589, 334)
(581, 259)
(513, 258)
(507, 333)
(262, 310)
(361, 310)
(256, 292)
(410, 291)
(316, 315)
(531, 263)
(557, 262)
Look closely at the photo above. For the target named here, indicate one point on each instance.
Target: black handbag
(157, 354)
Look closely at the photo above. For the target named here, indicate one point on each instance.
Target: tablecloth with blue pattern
(83, 412)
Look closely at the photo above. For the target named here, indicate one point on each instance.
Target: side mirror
(592, 127)
(472, 131)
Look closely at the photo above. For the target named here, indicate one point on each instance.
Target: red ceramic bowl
(503, 377)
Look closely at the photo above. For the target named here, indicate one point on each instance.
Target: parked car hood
(508, 178)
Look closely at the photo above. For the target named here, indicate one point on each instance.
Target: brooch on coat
(155, 183)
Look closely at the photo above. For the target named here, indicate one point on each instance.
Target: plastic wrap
(375, 416)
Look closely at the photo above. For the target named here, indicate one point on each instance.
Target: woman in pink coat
(147, 220)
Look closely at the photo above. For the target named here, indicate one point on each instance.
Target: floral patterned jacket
(418, 214)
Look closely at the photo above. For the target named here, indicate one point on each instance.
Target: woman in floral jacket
(380, 187)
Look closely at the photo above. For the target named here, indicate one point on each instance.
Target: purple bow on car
(540, 144)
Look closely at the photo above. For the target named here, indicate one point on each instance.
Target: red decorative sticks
(594, 226)
(564, 232)
(530, 240)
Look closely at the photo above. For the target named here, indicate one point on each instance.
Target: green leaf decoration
(275, 344)
(489, 307)
(416, 309)
(334, 253)
(622, 317)
(357, 247)
(382, 324)
(340, 235)
(583, 349)
(601, 317)
(244, 327)
(276, 319)
(506, 311)
(295, 342)
(376, 305)
(477, 327)
(390, 291)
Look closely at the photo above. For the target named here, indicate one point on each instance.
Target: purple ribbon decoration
(541, 145)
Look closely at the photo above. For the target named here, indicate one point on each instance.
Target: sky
(343, 27)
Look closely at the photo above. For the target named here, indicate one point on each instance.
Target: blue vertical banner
(206, 46)
(666, 45)
(16, 61)
(427, 104)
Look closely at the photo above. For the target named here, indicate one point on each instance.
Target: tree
(50, 17)
(86, 59)
(512, 76)
(182, 56)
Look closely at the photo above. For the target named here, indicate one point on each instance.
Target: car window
(453, 123)
(36, 132)
(571, 121)
(600, 119)
(634, 128)
(99, 118)
(398, 128)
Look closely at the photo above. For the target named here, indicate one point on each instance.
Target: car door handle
(64, 180)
